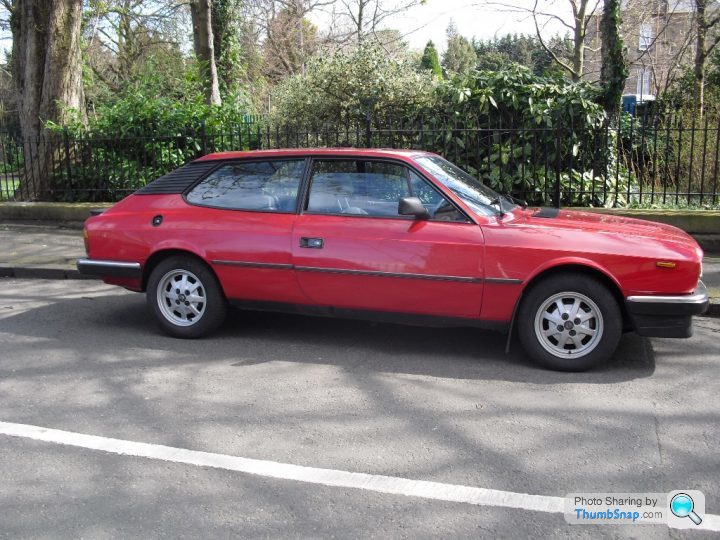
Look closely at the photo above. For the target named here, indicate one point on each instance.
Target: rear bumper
(667, 316)
(104, 268)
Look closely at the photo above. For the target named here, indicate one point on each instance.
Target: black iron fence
(643, 162)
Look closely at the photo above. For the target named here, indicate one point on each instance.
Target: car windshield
(480, 198)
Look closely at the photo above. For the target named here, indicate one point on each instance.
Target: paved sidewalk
(40, 251)
(47, 252)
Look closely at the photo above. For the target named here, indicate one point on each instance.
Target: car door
(244, 213)
(351, 249)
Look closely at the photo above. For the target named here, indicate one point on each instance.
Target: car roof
(292, 152)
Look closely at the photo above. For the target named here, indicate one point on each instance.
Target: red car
(393, 235)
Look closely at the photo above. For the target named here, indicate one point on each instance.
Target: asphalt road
(444, 405)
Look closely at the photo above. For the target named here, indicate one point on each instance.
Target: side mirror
(412, 206)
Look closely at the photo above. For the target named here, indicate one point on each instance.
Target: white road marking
(312, 475)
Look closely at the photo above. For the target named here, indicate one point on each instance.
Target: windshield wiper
(514, 200)
(497, 201)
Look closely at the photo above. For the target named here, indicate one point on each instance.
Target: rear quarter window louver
(178, 180)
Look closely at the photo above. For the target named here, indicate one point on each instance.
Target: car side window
(268, 186)
(439, 207)
(370, 188)
(356, 187)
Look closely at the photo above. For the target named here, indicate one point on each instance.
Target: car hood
(620, 226)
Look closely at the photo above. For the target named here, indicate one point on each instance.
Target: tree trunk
(360, 22)
(47, 73)
(613, 72)
(200, 10)
(579, 42)
(700, 56)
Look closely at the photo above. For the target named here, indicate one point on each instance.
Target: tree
(707, 17)
(120, 35)
(201, 13)
(282, 31)
(460, 55)
(226, 20)
(582, 10)
(289, 42)
(512, 47)
(542, 13)
(359, 19)
(614, 72)
(47, 71)
(430, 60)
(392, 41)
(525, 50)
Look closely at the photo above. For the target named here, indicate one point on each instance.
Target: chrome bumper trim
(700, 296)
(105, 268)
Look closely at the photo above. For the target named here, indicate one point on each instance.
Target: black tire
(595, 339)
(196, 314)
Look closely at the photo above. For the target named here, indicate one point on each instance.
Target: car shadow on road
(248, 337)
(462, 353)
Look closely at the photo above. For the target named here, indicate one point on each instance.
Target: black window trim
(304, 187)
(222, 162)
(495, 211)
(349, 157)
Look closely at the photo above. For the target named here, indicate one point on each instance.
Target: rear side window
(267, 186)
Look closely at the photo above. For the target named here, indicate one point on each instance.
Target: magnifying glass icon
(682, 506)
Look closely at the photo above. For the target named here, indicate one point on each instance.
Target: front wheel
(185, 297)
(569, 322)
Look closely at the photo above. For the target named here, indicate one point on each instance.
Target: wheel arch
(576, 267)
(162, 254)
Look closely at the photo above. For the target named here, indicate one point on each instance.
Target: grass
(7, 188)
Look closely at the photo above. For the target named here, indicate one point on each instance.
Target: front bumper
(104, 268)
(667, 316)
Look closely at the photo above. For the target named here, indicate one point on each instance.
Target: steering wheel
(437, 208)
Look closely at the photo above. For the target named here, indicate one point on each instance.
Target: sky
(472, 18)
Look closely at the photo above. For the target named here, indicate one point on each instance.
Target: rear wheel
(185, 297)
(569, 322)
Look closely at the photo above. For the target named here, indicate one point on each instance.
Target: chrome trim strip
(700, 296)
(375, 273)
(250, 264)
(503, 281)
(371, 273)
(112, 264)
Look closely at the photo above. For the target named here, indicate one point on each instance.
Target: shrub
(345, 87)
(145, 134)
(514, 129)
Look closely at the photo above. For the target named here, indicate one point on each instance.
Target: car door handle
(312, 243)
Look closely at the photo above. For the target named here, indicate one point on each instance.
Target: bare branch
(548, 49)
(713, 44)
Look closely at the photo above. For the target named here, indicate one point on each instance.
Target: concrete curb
(690, 221)
(21, 272)
(46, 211)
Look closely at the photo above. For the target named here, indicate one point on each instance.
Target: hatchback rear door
(243, 215)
